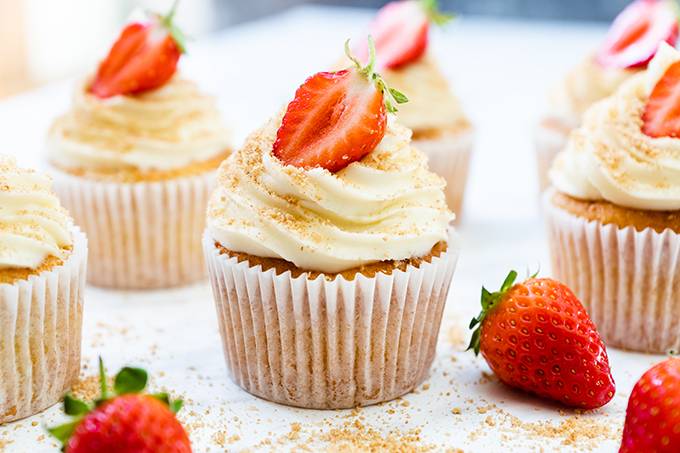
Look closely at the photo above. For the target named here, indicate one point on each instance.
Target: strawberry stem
(489, 301)
(102, 381)
(391, 96)
(168, 22)
(432, 11)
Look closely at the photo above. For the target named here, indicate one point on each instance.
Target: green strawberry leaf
(176, 405)
(64, 432)
(75, 407)
(130, 380)
(437, 17)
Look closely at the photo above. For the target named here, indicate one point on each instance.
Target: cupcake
(434, 114)
(329, 250)
(629, 45)
(134, 161)
(42, 276)
(614, 212)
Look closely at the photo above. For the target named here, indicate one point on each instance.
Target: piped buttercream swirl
(387, 206)
(163, 129)
(33, 225)
(610, 158)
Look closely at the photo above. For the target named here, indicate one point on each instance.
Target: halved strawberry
(636, 33)
(336, 118)
(661, 117)
(401, 30)
(143, 58)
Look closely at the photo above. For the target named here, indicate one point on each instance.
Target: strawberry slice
(401, 31)
(636, 33)
(143, 58)
(661, 117)
(336, 118)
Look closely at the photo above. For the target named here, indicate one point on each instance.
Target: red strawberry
(401, 30)
(128, 422)
(336, 118)
(653, 413)
(143, 58)
(636, 33)
(661, 117)
(536, 336)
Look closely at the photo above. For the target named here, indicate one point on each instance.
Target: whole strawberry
(144, 57)
(536, 336)
(653, 413)
(125, 422)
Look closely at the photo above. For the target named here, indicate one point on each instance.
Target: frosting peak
(387, 206)
(610, 158)
(163, 129)
(33, 225)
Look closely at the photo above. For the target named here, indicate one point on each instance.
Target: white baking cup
(628, 280)
(142, 235)
(548, 142)
(40, 331)
(449, 157)
(329, 344)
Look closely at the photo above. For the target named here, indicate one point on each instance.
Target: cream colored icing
(164, 129)
(610, 158)
(33, 225)
(387, 206)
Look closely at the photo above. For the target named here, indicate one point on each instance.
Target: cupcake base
(40, 334)
(142, 235)
(628, 279)
(329, 343)
(449, 156)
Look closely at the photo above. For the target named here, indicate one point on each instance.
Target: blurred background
(44, 40)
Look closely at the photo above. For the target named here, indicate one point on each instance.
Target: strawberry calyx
(434, 14)
(167, 22)
(392, 97)
(128, 381)
(489, 301)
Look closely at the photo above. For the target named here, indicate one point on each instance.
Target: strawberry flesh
(336, 118)
(636, 33)
(661, 117)
(653, 413)
(401, 31)
(143, 58)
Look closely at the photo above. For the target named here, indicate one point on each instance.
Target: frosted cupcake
(329, 250)
(42, 276)
(440, 128)
(134, 161)
(614, 215)
(629, 45)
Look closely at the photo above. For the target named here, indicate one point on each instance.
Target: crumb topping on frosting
(387, 206)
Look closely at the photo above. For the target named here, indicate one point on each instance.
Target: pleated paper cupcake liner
(142, 235)
(329, 344)
(628, 280)
(548, 142)
(40, 332)
(449, 157)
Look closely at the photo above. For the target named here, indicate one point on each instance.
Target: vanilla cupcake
(441, 130)
(134, 161)
(601, 73)
(42, 277)
(330, 266)
(614, 214)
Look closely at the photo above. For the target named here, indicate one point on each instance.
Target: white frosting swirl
(431, 103)
(163, 129)
(610, 158)
(584, 85)
(387, 206)
(33, 225)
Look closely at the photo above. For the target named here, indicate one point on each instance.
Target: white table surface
(501, 70)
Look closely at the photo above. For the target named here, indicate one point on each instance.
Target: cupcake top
(136, 114)
(163, 129)
(386, 206)
(33, 225)
(432, 104)
(630, 44)
(614, 157)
